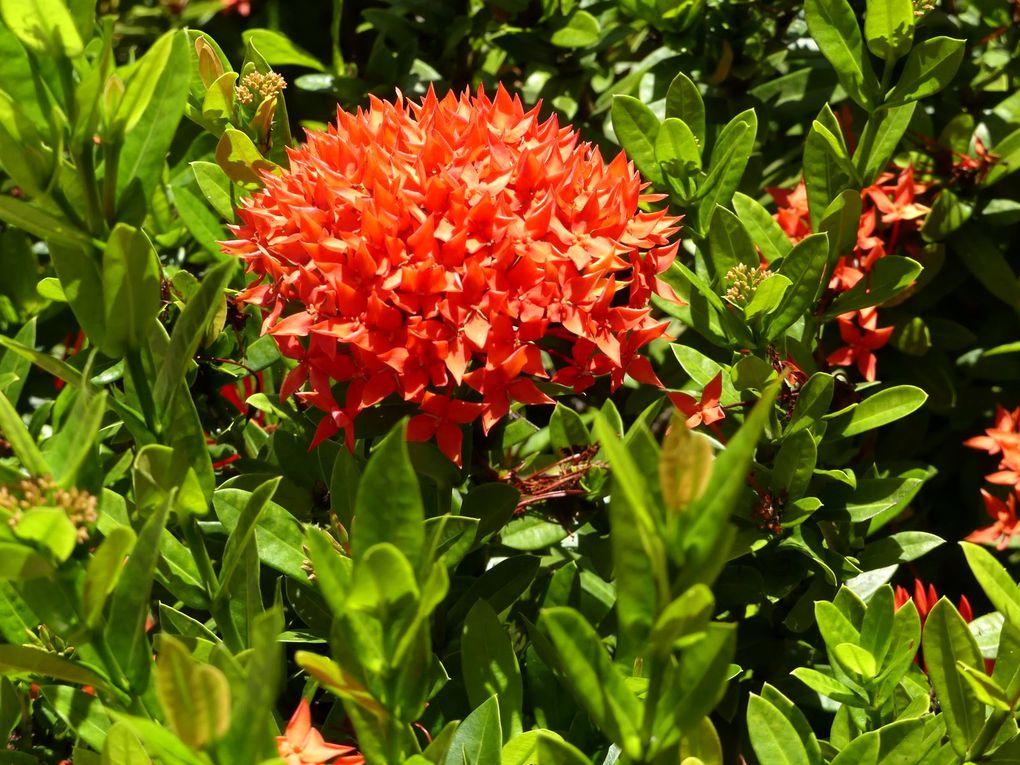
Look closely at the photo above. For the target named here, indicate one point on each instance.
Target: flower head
(302, 744)
(460, 248)
(862, 335)
(1005, 525)
(704, 410)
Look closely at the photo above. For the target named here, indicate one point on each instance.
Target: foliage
(654, 513)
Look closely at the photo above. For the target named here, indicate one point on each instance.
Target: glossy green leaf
(997, 583)
(878, 409)
(388, 506)
(490, 667)
(763, 228)
(104, 570)
(636, 129)
(279, 50)
(729, 159)
(729, 244)
(947, 641)
(25, 660)
(889, 28)
(804, 267)
(477, 739)
(195, 698)
(683, 102)
(773, 737)
(129, 605)
(930, 66)
(881, 136)
(596, 683)
(834, 26)
(582, 30)
(45, 27)
(13, 429)
(131, 289)
(888, 277)
(122, 747)
(188, 333)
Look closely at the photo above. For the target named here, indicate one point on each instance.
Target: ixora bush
(452, 433)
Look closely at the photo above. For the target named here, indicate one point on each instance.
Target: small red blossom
(240, 7)
(704, 410)
(926, 598)
(302, 744)
(444, 252)
(863, 337)
(1003, 437)
(1005, 525)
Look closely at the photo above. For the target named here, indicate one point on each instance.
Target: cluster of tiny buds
(923, 7)
(256, 87)
(30, 493)
(743, 282)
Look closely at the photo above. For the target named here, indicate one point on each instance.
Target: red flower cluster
(891, 217)
(429, 250)
(1004, 440)
(302, 744)
(925, 600)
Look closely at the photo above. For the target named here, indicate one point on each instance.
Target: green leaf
(388, 507)
(841, 220)
(986, 261)
(874, 496)
(188, 333)
(129, 607)
(879, 409)
(929, 68)
(30, 661)
(131, 289)
(863, 750)
(827, 686)
(477, 739)
(637, 128)
(984, 688)
(24, 154)
(639, 558)
(794, 715)
(14, 363)
(804, 267)
(683, 102)
(947, 641)
(21, 441)
(881, 136)
(889, 28)
(84, 712)
(45, 27)
(122, 747)
(243, 533)
(567, 429)
(685, 465)
(194, 697)
(888, 277)
(18, 563)
(490, 667)
(581, 30)
(856, 661)
(997, 583)
(767, 297)
(216, 187)
(143, 154)
(141, 88)
(794, 464)
(104, 570)
(279, 50)
(729, 244)
(250, 738)
(902, 547)
(678, 154)
(42, 224)
(764, 230)
(1008, 152)
(597, 685)
(685, 619)
(730, 155)
(833, 24)
(704, 530)
(773, 737)
(279, 539)
(813, 402)
(49, 529)
(243, 163)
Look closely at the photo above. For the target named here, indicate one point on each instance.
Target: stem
(338, 56)
(86, 164)
(887, 71)
(142, 389)
(655, 677)
(218, 607)
(110, 183)
(986, 734)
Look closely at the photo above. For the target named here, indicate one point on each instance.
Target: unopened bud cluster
(743, 282)
(30, 493)
(256, 87)
(923, 7)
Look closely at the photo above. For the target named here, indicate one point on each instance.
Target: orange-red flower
(447, 250)
(704, 410)
(302, 744)
(863, 336)
(1005, 525)
(925, 600)
(891, 218)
